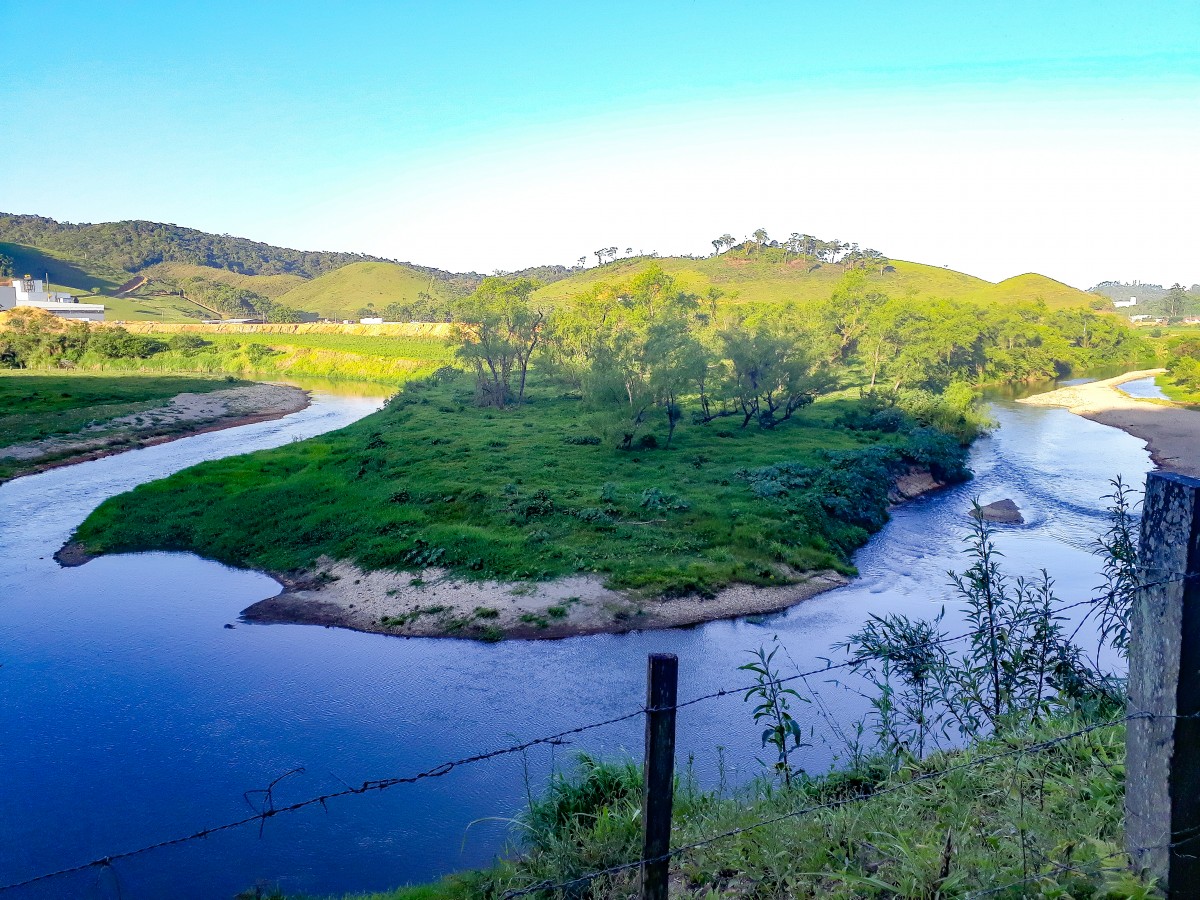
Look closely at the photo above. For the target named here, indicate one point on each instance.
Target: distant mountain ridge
(136, 244)
(192, 273)
(98, 258)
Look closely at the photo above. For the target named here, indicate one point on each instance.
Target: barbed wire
(836, 803)
(270, 810)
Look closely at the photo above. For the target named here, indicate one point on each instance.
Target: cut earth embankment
(1171, 432)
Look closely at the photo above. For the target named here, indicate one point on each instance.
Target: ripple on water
(133, 714)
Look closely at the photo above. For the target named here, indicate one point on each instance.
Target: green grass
(36, 405)
(980, 827)
(340, 294)
(65, 273)
(267, 285)
(765, 278)
(1177, 393)
(434, 480)
(388, 360)
(149, 309)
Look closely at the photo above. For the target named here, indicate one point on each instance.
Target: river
(131, 713)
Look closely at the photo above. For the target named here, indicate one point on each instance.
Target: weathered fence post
(662, 683)
(1162, 792)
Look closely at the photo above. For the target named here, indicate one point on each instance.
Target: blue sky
(993, 137)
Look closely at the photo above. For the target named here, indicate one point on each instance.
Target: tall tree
(499, 331)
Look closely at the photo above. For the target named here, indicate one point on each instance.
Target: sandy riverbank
(183, 415)
(434, 603)
(1171, 432)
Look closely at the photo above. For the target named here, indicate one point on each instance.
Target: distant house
(371, 320)
(32, 292)
(1121, 304)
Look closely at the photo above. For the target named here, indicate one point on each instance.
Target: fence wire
(270, 810)
(836, 803)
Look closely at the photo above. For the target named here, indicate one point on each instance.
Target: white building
(32, 292)
(1121, 304)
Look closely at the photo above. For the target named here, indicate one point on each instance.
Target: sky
(994, 138)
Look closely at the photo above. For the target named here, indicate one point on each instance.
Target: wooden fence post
(1162, 790)
(662, 683)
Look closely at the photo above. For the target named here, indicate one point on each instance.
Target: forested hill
(135, 245)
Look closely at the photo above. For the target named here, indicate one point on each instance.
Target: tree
(773, 374)
(1175, 301)
(676, 361)
(499, 332)
(847, 312)
(760, 236)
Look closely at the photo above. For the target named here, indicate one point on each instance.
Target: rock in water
(1004, 512)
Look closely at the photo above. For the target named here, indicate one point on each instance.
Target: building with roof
(32, 292)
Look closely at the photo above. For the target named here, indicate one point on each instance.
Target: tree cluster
(33, 338)
(1183, 362)
(237, 302)
(645, 347)
(805, 246)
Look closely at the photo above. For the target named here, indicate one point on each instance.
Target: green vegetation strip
(34, 406)
(32, 340)
(1054, 817)
(532, 492)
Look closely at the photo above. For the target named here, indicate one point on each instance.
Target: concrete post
(1162, 790)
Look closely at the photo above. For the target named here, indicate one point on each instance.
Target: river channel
(130, 713)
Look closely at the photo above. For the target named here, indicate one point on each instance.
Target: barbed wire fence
(1180, 582)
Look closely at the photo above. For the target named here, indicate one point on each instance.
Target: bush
(187, 343)
(657, 499)
(117, 343)
(256, 353)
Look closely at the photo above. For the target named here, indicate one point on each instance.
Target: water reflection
(132, 713)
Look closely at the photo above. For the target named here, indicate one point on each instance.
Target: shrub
(657, 499)
(117, 343)
(594, 516)
(187, 344)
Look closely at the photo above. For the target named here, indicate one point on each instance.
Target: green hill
(268, 285)
(65, 273)
(97, 259)
(340, 294)
(767, 278)
(1032, 287)
(135, 245)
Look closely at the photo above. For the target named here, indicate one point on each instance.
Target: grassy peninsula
(636, 435)
(536, 492)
